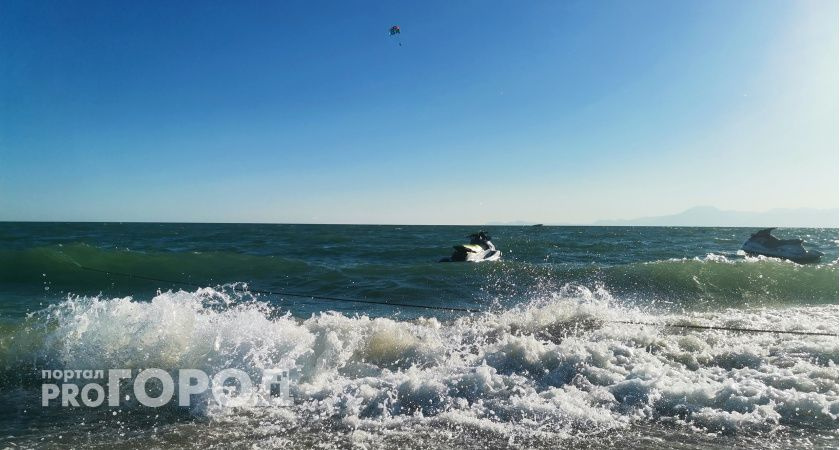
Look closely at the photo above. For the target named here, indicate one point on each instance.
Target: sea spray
(534, 364)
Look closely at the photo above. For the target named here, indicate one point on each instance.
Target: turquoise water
(544, 362)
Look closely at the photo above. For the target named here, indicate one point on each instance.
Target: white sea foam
(559, 366)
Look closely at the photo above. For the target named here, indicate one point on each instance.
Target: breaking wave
(556, 367)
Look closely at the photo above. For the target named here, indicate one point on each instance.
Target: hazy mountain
(709, 216)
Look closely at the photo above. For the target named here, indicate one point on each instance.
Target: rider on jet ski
(479, 249)
(764, 243)
(482, 239)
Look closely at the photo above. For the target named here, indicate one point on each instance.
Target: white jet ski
(763, 243)
(479, 249)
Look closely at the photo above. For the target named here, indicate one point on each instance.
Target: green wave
(62, 264)
(726, 282)
(714, 280)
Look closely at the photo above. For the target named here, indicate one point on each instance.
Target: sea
(579, 337)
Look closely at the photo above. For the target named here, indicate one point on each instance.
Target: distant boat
(537, 225)
(764, 243)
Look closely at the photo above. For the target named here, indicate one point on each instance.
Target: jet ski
(763, 243)
(479, 249)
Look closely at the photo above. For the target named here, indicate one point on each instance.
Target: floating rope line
(447, 308)
(284, 293)
(712, 327)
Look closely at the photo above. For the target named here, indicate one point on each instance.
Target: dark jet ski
(763, 243)
(479, 249)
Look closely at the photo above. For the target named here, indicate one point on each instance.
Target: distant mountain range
(709, 216)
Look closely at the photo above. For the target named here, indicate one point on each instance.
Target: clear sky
(307, 111)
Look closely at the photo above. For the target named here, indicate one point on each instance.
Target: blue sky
(557, 111)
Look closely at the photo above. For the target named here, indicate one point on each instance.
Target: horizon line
(534, 225)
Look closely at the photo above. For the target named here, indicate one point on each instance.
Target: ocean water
(548, 360)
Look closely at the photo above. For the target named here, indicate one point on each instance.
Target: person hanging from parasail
(395, 33)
